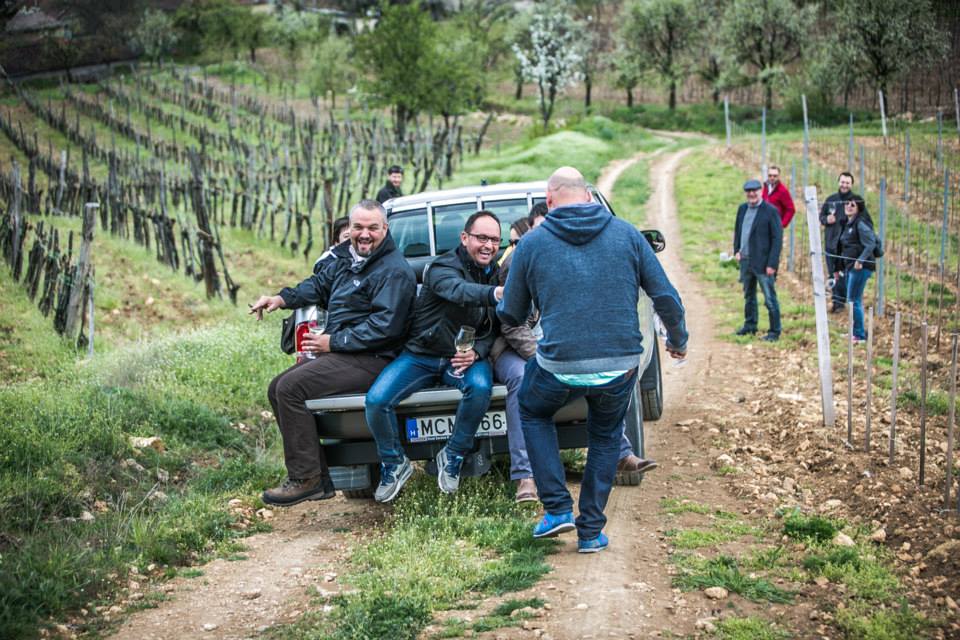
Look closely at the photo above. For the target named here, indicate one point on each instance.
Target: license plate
(494, 423)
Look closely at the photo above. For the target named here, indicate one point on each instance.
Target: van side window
(411, 232)
(448, 222)
(508, 211)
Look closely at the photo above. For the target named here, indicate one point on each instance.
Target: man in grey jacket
(757, 240)
(368, 289)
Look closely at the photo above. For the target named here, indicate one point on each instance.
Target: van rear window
(411, 232)
(448, 222)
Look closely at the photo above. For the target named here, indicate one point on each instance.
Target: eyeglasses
(484, 239)
(850, 203)
(773, 175)
(513, 243)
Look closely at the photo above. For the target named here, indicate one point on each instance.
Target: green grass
(863, 569)
(588, 146)
(436, 552)
(677, 506)
(810, 528)
(722, 531)
(632, 190)
(697, 573)
(64, 447)
(749, 629)
(863, 621)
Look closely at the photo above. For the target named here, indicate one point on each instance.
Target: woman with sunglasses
(857, 243)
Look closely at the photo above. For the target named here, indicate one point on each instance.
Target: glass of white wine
(316, 327)
(463, 343)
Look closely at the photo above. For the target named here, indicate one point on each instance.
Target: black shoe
(743, 331)
(838, 307)
(771, 337)
(294, 492)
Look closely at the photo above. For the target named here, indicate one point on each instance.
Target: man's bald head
(566, 186)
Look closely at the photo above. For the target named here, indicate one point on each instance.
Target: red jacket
(780, 198)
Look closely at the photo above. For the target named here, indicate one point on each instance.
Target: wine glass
(315, 327)
(833, 208)
(463, 343)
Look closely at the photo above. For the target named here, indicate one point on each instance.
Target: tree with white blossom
(550, 54)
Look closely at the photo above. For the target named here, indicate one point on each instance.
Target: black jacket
(388, 191)
(857, 243)
(456, 292)
(833, 231)
(369, 304)
(766, 237)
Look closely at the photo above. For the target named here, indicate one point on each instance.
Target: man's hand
(771, 271)
(270, 303)
(677, 354)
(462, 361)
(857, 266)
(831, 218)
(498, 293)
(737, 256)
(316, 342)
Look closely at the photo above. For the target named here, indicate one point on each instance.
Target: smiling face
(845, 183)
(773, 176)
(368, 228)
(396, 179)
(482, 240)
(850, 208)
(753, 196)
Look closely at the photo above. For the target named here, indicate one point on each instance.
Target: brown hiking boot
(293, 492)
(526, 490)
(630, 470)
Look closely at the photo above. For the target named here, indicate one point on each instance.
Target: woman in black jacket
(857, 243)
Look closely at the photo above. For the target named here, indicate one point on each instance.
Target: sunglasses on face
(513, 243)
(484, 239)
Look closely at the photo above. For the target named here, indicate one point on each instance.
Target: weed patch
(723, 571)
(810, 528)
(748, 629)
(866, 622)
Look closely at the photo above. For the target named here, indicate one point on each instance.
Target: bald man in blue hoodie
(583, 269)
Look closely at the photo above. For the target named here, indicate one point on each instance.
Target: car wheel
(365, 494)
(651, 388)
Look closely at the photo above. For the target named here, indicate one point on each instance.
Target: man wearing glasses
(778, 195)
(757, 239)
(459, 291)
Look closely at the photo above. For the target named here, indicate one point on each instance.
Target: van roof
(501, 189)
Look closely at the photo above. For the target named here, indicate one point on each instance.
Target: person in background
(777, 194)
(340, 233)
(757, 240)
(581, 247)
(368, 289)
(857, 243)
(517, 229)
(833, 220)
(392, 188)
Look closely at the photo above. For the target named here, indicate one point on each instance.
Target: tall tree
(888, 37)
(553, 57)
(397, 53)
(766, 36)
(658, 34)
(627, 74)
(331, 70)
(155, 35)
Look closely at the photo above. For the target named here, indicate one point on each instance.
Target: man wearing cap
(757, 238)
(392, 188)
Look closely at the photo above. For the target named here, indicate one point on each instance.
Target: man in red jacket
(778, 195)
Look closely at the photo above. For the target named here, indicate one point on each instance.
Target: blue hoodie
(583, 269)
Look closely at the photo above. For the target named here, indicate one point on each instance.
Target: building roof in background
(33, 19)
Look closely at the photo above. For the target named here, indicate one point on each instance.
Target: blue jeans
(856, 283)
(767, 286)
(410, 373)
(509, 370)
(541, 396)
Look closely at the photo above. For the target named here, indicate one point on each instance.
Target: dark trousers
(767, 284)
(835, 270)
(328, 375)
(541, 396)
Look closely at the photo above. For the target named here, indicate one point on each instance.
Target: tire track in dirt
(268, 585)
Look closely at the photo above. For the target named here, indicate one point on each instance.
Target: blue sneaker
(448, 471)
(553, 525)
(599, 543)
(392, 479)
